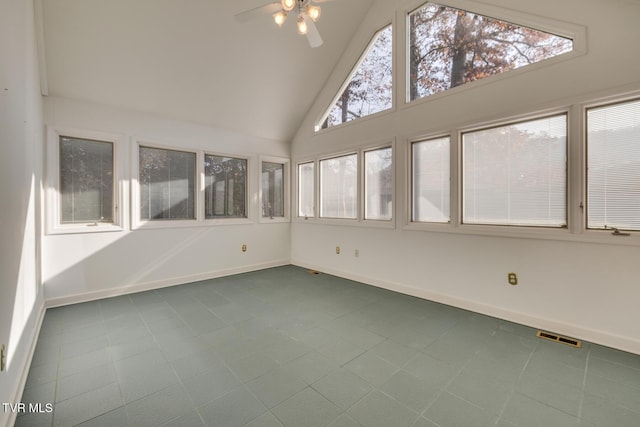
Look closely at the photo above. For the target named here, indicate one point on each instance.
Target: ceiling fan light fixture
(280, 17)
(288, 5)
(302, 26)
(314, 12)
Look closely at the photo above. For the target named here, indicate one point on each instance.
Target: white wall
(21, 134)
(570, 282)
(79, 267)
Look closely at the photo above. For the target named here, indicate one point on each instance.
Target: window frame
(362, 171)
(248, 219)
(411, 182)
(575, 32)
(314, 196)
(317, 127)
(504, 123)
(136, 221)
(359, 220)
(358, 200)
(286, 190)
(631, 235)
(53, 185)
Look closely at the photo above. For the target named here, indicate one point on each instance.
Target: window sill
(227, 221)
(84, 229)
(274, 220)
(368, 223)
(537, 233)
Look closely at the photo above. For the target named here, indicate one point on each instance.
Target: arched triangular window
(368, 89)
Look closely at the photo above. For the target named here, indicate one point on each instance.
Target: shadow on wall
(98, 265)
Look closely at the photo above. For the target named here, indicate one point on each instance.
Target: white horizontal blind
(516, 174)
(378, 170)
(339, 187)
(306, 185)
(272, 190)
(86, 181)
(430, 180)
(167, 184)
(613, 166)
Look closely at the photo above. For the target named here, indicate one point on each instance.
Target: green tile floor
(282, 347)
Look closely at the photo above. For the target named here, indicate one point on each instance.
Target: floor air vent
(559, 338)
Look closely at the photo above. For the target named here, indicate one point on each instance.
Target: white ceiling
(192, 60)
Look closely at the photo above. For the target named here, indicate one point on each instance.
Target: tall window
(613, 166)
(368, 89)
(450, 47)
(430, 180)
(86, 181)
(516, 174)
(378, 170)
(272, 190)
(225, 193)
(306, 187)
(167, 184)
(339, 187)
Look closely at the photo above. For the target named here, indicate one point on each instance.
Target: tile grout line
(514, 387)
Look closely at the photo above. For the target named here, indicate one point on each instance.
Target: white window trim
(250, 191)
(408, 220)
(577, 33)
(52, 190)
(339, 221)
(295, 180)
(286, 190)
(576, 183)
(360, 220)
(385, 223)
(593, 233)
(138, 223)
(501, 123)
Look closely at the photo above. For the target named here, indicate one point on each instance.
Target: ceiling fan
(308, 15)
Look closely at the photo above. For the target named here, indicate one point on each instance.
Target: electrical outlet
(338, 250)
(3, 358)
(512, 278)
(244, 248)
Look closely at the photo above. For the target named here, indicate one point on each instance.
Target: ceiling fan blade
(312, 32)
(251, 14)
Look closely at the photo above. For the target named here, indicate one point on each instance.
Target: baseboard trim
(604, 338)
(34, 330)
(158, 284)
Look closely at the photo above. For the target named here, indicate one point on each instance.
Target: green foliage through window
(225, 193)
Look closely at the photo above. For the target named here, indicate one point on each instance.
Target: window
(368, 90)
(450, 47)
(516, 174)
(378, 184)
(430, 180)
(167, 184)
(225, 192)
(83, 192)
(339, 187)
(306, 190)
(86, 181)
(273, 188)
(613, 166)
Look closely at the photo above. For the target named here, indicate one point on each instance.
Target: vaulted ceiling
(192, 60)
